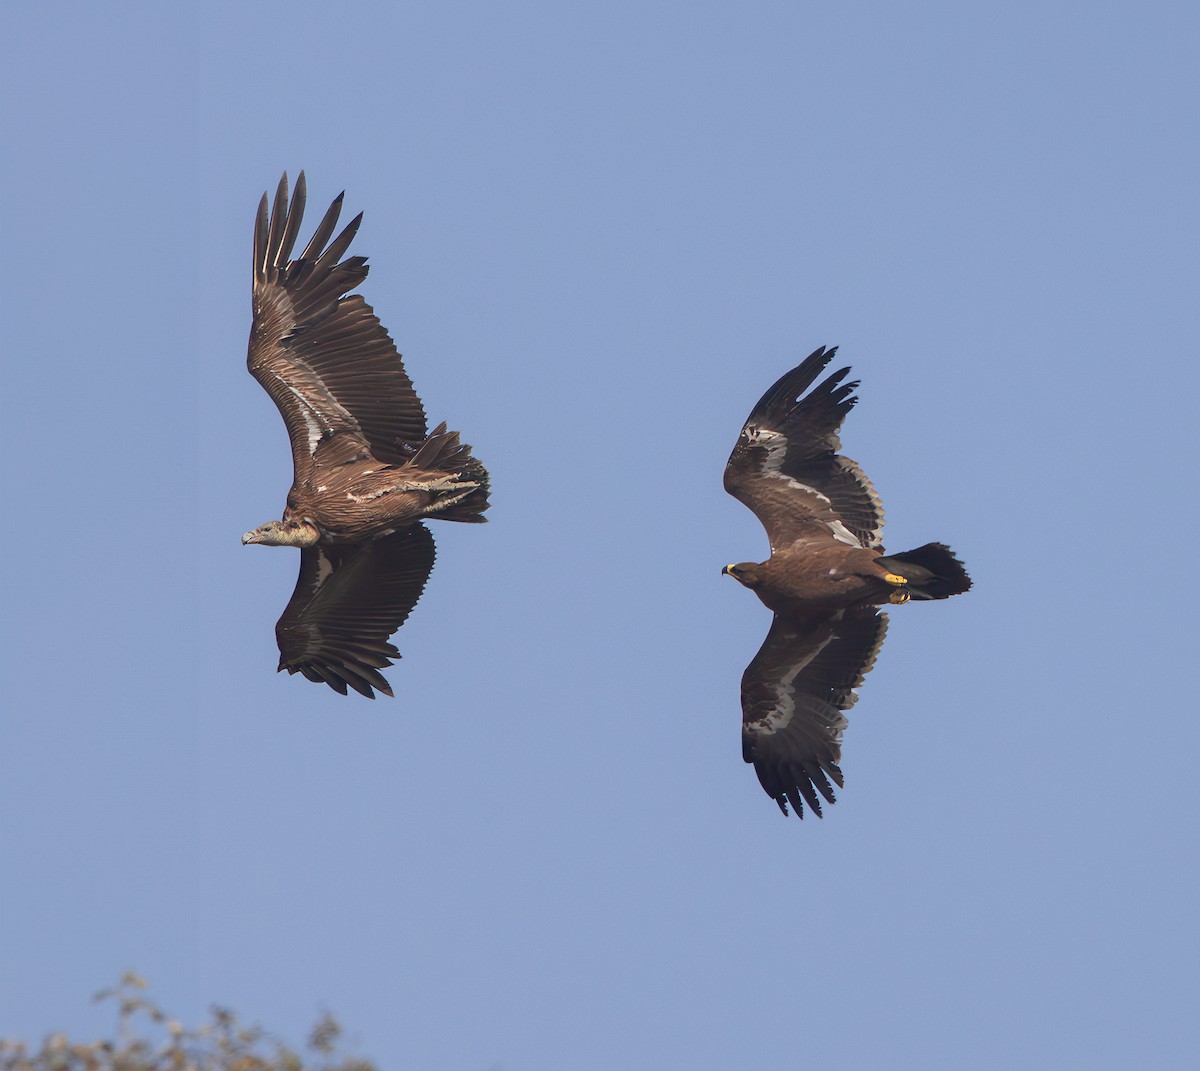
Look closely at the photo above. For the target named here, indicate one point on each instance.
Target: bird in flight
(825, 580)
(366, 468)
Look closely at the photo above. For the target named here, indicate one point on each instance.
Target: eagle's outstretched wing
(794, 695)
(324, 358)
(349, 599)
(786, 467)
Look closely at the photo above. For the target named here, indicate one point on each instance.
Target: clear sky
(597, 233)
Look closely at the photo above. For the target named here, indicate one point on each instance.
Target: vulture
(825, 580)
(366, 468)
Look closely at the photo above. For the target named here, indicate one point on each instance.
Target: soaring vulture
(366, 468)
(825, 579)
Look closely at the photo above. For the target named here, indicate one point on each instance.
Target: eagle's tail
(442, 452)
(932, 571)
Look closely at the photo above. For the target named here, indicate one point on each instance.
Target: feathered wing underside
(786, 467)
(348, 601)
(323, 357)
(794, 695)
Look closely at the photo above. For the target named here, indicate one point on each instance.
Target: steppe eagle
(825, 579)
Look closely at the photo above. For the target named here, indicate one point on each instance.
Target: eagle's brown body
(815, 578)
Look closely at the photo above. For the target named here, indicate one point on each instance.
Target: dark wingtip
(324, 231)
(789, 386)
(337, 248)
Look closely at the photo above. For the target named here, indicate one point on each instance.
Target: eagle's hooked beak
(249, 537)
(728, 571)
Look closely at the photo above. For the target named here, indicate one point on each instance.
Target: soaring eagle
(825, 579)
(366, 467)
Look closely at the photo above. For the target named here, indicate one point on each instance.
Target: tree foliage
(147, 1039)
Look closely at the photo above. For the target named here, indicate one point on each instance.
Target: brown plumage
(365, 469)
(824, 580)
(795, 693)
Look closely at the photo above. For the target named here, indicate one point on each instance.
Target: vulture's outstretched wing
(786, 468)
(349, 599)
(323, 357)
(794, 694)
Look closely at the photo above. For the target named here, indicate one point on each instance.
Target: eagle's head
(746, 573)
(283, 534)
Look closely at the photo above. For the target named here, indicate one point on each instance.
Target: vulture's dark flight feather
(366, 469)
(825, 578)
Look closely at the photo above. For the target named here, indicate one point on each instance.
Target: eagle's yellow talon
(895, 578)
(899, 598)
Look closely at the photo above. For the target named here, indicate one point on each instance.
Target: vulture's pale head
(283, 534)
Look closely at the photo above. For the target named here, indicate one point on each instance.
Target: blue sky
(597, 233)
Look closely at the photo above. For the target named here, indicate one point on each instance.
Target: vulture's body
(366, 471)
(825, 579)
(349, 495)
